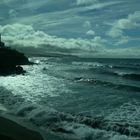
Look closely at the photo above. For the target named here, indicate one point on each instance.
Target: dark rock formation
(10, 60)
(10, 57)
(11, 70)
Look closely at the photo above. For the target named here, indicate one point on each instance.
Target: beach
(10, 130)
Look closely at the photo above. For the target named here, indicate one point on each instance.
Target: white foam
(83, 132)
(34, 85)
(128, 112)
(3, 108)
(88, 64)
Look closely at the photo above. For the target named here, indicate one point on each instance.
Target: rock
(11, 70)
(11, 57)
(10, 60)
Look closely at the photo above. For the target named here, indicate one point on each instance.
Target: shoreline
(11, 130)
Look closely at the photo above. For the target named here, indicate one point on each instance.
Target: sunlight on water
(33, 86)
(67, 97)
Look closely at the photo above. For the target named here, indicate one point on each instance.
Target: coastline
(11, 130)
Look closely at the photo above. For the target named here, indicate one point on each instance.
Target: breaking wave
(108, 84)
(121, 122)
(71, 125)
(114, 70)
(127, 75)
(132, 76)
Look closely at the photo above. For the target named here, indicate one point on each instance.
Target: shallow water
(58, 93)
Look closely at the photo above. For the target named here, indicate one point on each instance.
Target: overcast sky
(95, 28)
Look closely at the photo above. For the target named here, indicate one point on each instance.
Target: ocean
(76, 98)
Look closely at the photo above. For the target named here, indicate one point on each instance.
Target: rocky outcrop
(10, 61)
(11, 57)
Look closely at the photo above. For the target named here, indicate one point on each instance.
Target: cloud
(50, 16)
(99, 40)
(131, 52)
(24, 36)
(90, 33)
(99, 5)
(123, 40)
(85, 2)
(34, 5)
(131, 22)
(5, 1)
(87, 24)
(13, 13)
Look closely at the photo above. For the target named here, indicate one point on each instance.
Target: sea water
(77, 98)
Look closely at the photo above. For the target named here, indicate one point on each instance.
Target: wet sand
(10, 130)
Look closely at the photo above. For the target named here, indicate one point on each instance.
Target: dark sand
(10, 130)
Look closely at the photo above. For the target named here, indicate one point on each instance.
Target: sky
(90, 28)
